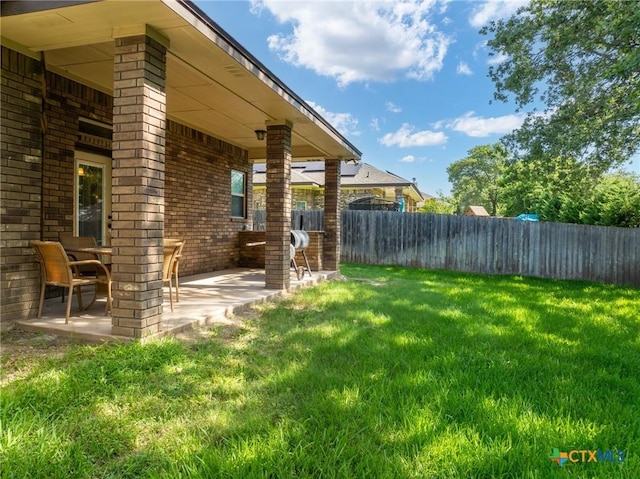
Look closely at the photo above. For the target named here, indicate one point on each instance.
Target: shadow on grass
(394, 373)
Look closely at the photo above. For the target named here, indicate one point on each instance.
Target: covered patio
(209, 298)
(166, 114)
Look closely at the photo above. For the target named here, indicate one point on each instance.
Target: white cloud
(393, 108)
(493, 10)
(481, 48)
(345, 123)
(359, 41)
(463, 69)
(497, 60)
(476, 126)
(406, 136)
(407, 159)
(375, 124)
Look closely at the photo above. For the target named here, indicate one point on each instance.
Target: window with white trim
(238, 194)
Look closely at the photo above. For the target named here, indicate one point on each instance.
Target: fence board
(313, 220)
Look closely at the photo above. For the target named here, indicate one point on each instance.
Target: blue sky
(405, 81)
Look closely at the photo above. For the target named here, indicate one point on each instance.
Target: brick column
(278, 224)
(331, 245)
(139, 121)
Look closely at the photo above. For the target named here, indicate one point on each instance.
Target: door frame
(100, 161)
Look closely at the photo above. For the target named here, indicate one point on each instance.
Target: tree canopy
(556, 189)
(440, 205)
(475, 178)
(581, 60)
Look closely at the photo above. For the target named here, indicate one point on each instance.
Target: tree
(441, 205)
(475, 178)
(581, 59)
(567, 192)
(615, 201)
(536, 186)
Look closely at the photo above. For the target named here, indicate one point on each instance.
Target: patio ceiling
(213, 84)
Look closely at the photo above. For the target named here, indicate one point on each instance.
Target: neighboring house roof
(427, 196)
(298, 178)
(476, 211)
(213, 84)
(359, 175)
(367, 176)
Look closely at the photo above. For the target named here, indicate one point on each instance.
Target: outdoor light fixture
(261, 135)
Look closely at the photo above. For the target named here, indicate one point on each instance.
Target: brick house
(138, 121)
(356, 181)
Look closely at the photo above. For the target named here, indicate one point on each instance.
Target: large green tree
(474, 179)
(581, 60)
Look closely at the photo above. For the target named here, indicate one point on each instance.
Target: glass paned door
(92, 197)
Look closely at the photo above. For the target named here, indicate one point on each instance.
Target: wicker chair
(73, 242)
(172, 249)
(58, 270)
(176, 264)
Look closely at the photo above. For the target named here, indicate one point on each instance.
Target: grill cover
(299, 239)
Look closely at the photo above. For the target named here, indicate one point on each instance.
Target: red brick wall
(252, 251)
(198, 198)
(21, 183)
(66, 102)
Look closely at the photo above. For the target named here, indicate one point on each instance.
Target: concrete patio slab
(210, 298)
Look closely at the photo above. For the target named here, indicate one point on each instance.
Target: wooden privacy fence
(493, 246)
(313, 220)
(486, 245)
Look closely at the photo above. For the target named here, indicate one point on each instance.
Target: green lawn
(391, 373)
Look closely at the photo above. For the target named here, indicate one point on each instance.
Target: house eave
(242, 55)
(213, 83)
